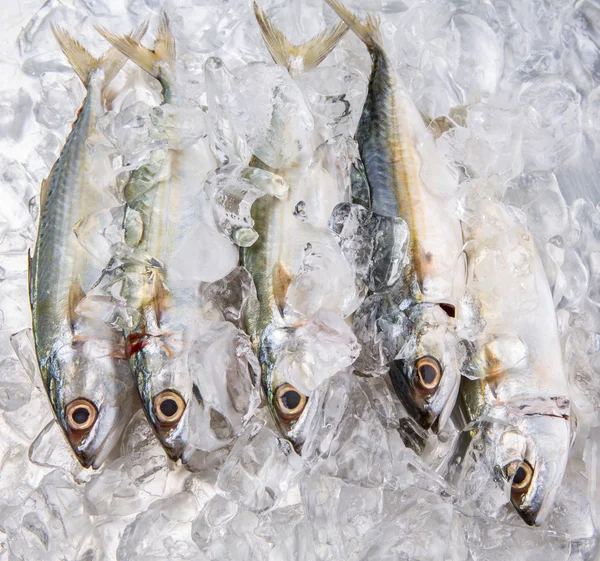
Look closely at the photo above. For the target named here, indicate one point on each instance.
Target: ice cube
(224, 531)
(259, 471)
(374, 246)
(314, 351)
(350, 436)
(325, 281)
(132, 482)
(163, 531)
(51, 523)
(552, 121)
(15, 388)
(230, 296)
(61, 97)
(224, 366)
(15, 108)
(182, 126)
(577, 279)
(539, 196)
(232, 190)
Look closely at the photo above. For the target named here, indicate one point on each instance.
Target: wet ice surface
(520, 85)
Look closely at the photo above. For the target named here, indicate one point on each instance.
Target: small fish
(268, 259)
(520, 380)
(394, 144)
(81, 359)
(162, 206)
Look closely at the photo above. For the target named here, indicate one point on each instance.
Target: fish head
(288, 405)
(535, 473)
(165, 387)
(91, 391)
(426, 374)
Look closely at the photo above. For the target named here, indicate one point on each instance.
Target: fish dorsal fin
(76, 295)
(367, 32)
(84, 63)
(45, 187)
(282, 278)
(297, 58)
(148, 59)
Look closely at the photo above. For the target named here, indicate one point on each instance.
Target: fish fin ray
(312, 53)
(367, 32)
(147, 59)
(76, 295)
(282, 278)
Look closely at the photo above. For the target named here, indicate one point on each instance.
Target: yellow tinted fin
(147, 59)
(282, 277)
(84, 63)
(76, 295)
(300, 58)
(367, 32)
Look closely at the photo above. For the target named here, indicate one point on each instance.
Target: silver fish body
(520, 380)
(408, 179)
(81, 359)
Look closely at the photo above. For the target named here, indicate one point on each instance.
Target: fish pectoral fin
(298, 58)
(84, 63)
(282, 278)
(148, 59)
(76, 295)
(159, 294)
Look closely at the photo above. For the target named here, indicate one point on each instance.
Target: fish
(394, 145)
(517, 376)
(81, 358)
(269, 259)
(162, 205)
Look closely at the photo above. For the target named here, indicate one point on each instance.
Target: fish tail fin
(367, 32)
(84, 63)
(148, 59)
(311, 53)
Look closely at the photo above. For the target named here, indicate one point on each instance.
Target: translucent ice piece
(182, 126)
(325, 281)
(552, 117)
(232, 190)
(61, 97)
(230, 295)
(15, 109)
(162, 532)
(134, 481)
(50, 449)
(374, 246)
(225, 532)
(265, 107)
(22, 343)
(98, 232)
(15, 387)
(538, 195)
(260, 469)
(314, 351)
(51, 523)
(351, 436)
(224, 365)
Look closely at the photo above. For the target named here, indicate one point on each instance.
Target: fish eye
(428, 373)
(168, 408)
(521, 474)
(289, 402)
(81, 414)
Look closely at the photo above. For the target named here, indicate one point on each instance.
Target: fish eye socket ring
(168, 408)
(80, 414)
(521, 474)
(289, 402)
(428, 373)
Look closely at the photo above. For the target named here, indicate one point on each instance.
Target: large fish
(81, 359)
(280, 234)
(408, 179)
(162, 206)
(517, 369)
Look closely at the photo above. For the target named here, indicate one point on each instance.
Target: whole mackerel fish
(518, 376)
(269, 259)
(162, 206)
(408, 179)
(81, 359)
